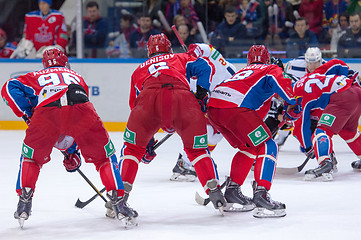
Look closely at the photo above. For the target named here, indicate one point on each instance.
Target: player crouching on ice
(51, 99)
(330, 89)
(237, 108)
(160, 97)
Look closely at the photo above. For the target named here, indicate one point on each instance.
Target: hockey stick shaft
(81, 204)
(160, 142)
(86, 178)
(179, 38)
(293, 170)
(91, 184)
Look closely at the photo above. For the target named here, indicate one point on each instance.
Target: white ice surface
(167, 210)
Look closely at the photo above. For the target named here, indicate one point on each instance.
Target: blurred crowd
(286, 27)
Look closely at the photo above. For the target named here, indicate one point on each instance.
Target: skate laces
(239, 192)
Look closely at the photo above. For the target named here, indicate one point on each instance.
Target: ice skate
(334, 162)
(265, 206)
(216, 195)
(322, 173)
(356, 165)
(182, 172)
(218, 200)
(121, 211)
(109, 209)
(236, 201)
(281, 137)
(23, 210)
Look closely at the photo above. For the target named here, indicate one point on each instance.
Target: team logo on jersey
(258, 135)
(129, 136)
(327, 119)
(200, 141)
(52, 19)
(27, 151)
(109, 148)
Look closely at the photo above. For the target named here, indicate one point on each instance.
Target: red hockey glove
(149, 153)
(292, 113)
(72, 161)
(194, 50)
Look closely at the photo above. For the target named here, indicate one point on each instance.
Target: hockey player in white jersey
(298, 68)
(183, 170)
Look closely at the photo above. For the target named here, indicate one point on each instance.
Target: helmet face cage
(158, 43)
(313, 54)
(54, 57)
(258, 54)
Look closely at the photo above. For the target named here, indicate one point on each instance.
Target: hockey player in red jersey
(329, 95)
(43, 28)
(183, 170)
(160, 97)
(237, 108)
(62, 108)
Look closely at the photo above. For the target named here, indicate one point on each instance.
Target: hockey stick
(294, 170)
(179, 38)
(99, 193)
(204, 201)
(81, 204)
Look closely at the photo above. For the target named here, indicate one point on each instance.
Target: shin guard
(110, 175)
(28, 174)
(322, 144)
(241, 165)
(265, 166)
(129, 160)
(203, 164)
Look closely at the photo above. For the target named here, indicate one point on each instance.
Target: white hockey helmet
(313, 54)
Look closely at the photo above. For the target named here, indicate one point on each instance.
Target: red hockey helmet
(258, 54)
(54, 57)
(158, 43)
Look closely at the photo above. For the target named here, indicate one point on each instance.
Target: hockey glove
(149, 152)
(202, 97)
(26, 119)
(203, 102)
(309, 152)
(354, 76)
(194, 50)
(72, 159)
(292, 113)
(278, 62)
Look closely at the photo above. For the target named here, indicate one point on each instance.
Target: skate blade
(325, 177)
(177, 177)
(221, 210)
(128, 222)
(265, 213)
(21, 219)
(236, 207)
(21, 222)
(110, 213)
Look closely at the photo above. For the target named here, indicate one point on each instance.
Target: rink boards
(108, 81)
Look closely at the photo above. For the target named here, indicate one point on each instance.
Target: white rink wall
(108, 79)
